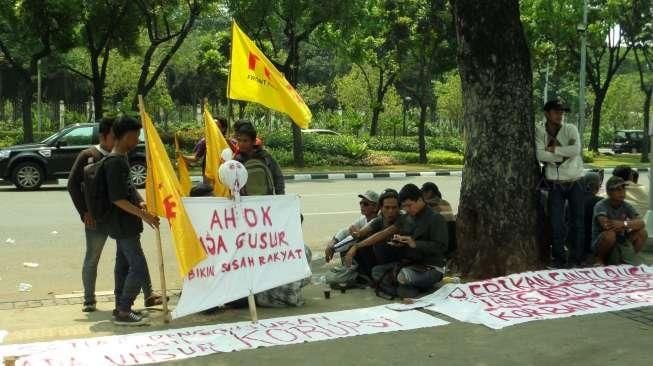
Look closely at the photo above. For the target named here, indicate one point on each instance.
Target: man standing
(558, 148)
(249, 150)
(125, 222)
(616, 227)
(96, 232)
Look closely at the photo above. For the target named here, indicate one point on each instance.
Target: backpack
(95, 190)
(259, 178)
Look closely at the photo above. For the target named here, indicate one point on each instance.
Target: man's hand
(150, 219)
(143, 205)
(351, 253)
(551, 149)
(328, 253)
(405, 240)
(618, 226)
(89, 222)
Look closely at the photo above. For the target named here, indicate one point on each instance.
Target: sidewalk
(616, 338)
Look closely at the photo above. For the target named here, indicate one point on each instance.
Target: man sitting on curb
(618, 232)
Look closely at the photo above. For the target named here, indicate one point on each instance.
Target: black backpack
(95, 190)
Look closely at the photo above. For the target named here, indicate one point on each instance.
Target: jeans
(95, 239)
(418, 276)
(130, 272)
(572, 193)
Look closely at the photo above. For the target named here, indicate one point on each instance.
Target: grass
(611, 161)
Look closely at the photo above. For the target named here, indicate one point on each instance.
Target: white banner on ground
(177, 344)
(524, 297)
(254, 245)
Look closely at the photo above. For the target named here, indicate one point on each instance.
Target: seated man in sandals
(617, 227)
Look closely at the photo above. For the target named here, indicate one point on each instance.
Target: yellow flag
(163, 199)
(253, 78)
(215, 144)
(182, 168)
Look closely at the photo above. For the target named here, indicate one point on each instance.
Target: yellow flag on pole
(182, 169)
(215, 144)
(253, 78)
(163, 199)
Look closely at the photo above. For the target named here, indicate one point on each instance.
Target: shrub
(588, 156)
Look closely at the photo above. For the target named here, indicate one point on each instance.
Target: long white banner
(524, 297)
(252, 246)
(177, 344)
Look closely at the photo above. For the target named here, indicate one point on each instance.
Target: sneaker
(155, 300)
(143, 313)
(89, 308)
(131, 319)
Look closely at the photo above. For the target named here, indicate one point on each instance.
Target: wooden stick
(252, 307)
(9, 361)
(162, 274)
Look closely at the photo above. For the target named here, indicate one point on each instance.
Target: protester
(558, 147)
(424, 249)
(618, 233)
(125, 222)
(636, 194)
(592, 183)
(433, 198)
(369, 210)
(250, 155)
(96, 232)
(199, 151)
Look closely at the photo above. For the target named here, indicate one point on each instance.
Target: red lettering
(215, 219)
(250, 217)
(253, 59)
(270, 332)
(247, 338)
(267, 219)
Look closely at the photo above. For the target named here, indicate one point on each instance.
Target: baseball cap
(370, 196)
(556, 104)
(614, 183)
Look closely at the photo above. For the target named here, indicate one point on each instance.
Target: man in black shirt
(125, 222)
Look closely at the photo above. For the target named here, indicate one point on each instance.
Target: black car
(628, 141)
(30, 165)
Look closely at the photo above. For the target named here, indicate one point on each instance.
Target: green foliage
(588, 156)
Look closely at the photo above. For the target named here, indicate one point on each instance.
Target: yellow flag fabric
(215, 144)
(253, 78)
(182, 168)
(163, 199)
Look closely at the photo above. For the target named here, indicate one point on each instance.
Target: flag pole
(162, 274)
(252, 307)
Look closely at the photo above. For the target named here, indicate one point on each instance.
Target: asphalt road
(46, 230)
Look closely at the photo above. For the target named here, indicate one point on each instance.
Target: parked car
(318, 131)
(628, 141)
(29, 166)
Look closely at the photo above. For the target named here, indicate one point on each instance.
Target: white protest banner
(253, 245)
(524, 297)
(178, 344)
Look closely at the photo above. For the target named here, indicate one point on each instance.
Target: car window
(79, 136)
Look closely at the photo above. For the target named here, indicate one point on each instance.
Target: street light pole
(583, 57)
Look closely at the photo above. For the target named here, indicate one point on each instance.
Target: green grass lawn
(611, 161)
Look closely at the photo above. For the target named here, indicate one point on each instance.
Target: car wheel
(28, 176)
(138, 172)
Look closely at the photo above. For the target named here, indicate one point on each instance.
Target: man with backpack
(125, 221)
(264, 174)
(96, 232)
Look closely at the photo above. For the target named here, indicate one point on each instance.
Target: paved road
(47, 231)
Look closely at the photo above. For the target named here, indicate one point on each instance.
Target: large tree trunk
(26, 107)
(421, 132)
(374, 126)
(596, 121)
(497, 214)
(646, 144)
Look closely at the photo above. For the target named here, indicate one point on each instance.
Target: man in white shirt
(558, 147)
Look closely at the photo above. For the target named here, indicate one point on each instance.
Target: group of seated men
(403, 235)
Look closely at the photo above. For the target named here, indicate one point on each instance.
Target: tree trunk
(26, 107)
(596, 121)
(374, 126)
(646, 144)
(421, 130)
(496, 222)
(98, 84)
(297, 141)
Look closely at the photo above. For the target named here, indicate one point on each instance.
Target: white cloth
(343, 233)
(568, 154)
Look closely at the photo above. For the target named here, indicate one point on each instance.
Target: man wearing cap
(636, 194)
(616, 223)
(369, 210)
(558, 148)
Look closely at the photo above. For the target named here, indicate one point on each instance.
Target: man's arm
(573, 149)
(75, 180)
(374, 239)
(540, 148)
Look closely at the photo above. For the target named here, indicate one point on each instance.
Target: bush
(588, 156)
(442, 157)
(410, 143)
(323, 145)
